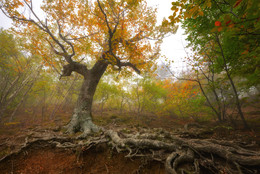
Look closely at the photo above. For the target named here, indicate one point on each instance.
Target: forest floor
(43, 148)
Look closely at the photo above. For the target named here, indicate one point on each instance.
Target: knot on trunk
(67, 69)
(74, 66)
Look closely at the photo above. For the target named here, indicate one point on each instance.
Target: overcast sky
(172, 46)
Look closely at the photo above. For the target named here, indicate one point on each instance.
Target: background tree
(18, 73)
(150, 95)
(228, 33)
(183, 99)
(104, 92)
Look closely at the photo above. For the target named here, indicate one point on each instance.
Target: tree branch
(130, 65)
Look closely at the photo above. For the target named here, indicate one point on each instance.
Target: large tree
(91, 37)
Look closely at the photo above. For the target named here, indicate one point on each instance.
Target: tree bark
(82, 117)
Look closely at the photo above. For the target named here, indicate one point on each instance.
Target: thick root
(177, 158)
(198, 152)
(179, 155)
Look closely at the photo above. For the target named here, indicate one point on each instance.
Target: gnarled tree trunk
(82, 117)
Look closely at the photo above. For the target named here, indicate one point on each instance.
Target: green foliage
(235, 24)
(152, 95)
(26, 84)
(17, 71)
(224, 36)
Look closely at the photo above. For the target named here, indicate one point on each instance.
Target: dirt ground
(41, 158)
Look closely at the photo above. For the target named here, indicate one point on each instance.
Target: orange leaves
(180, 95)
(69, 19)
(19, 3)
(16, 3)
(180, 89)
(182, 10)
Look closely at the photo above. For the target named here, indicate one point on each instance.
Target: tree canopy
(81, 31)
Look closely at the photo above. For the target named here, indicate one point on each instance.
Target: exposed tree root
(179, 155)
(177, 158)
(81, 122)
(199, 153)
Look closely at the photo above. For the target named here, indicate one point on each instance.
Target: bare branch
(106, 20)
(65, 40)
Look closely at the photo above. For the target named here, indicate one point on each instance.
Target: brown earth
(41, 158)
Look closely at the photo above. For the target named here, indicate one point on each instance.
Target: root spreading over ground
(154, 149)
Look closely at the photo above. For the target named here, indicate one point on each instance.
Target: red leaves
(218, 23)
(237, 3)
(219, 27)
(228, 22)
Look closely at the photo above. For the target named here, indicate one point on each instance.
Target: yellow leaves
(18, 68)
(16, 3)
(19, 3)
(174, 8)
(208, 3)
(80, 18)
(11, 123)
(192, 11)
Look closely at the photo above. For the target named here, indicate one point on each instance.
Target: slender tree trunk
(102, 107)
(129, 106)
(82, 117)
(182, 115)
(43, 103)
(238, 104)
(208, 101)
(57, 104)
(138, 101)
(121, 105)
(21, 101)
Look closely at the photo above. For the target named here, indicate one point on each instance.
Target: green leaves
(235, 23)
